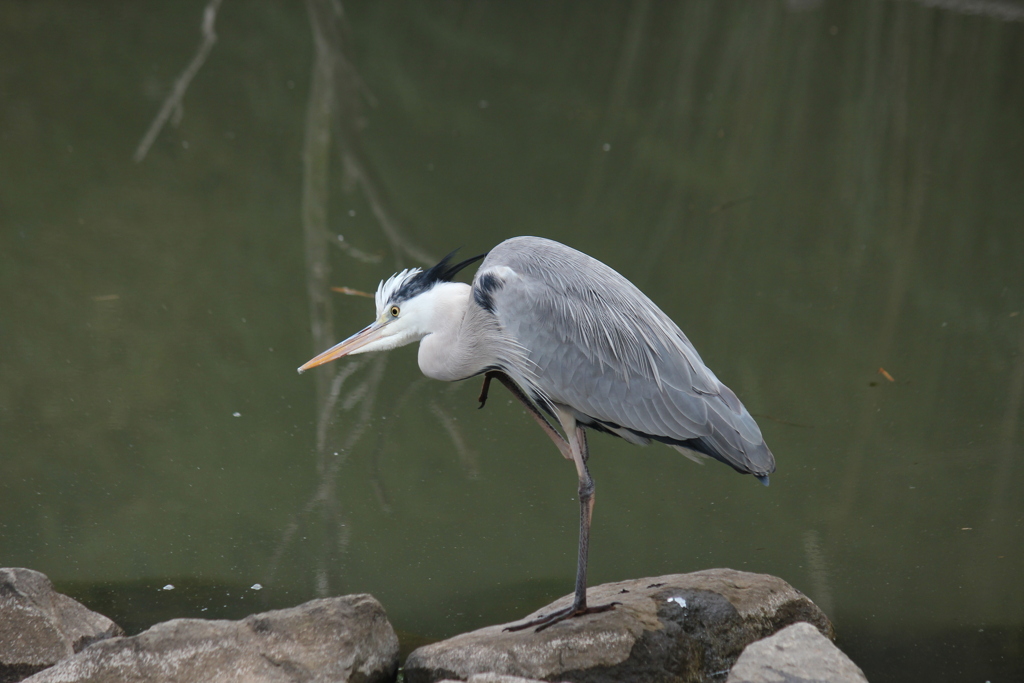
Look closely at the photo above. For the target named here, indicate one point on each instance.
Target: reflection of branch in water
(335, 91)
(355, 252)
(320, 108)
(315, 193)
(357, 172)
(326, 18)
(467, 457)
(368, 392)
(330, 458)
(334, 96)
(729, 204)
(172, 105)
(383, 443)
(1008, 450)
(997, 9)
(625, 70)
(330, 401)
(818, 569)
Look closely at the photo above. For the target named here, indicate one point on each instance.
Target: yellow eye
(394, 311)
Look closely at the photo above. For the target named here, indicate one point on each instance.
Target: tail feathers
(754, 459)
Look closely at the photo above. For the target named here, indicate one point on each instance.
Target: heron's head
(406, 304)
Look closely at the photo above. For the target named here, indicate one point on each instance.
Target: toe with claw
(547, 620)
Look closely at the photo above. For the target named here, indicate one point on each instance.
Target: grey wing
(599, 346)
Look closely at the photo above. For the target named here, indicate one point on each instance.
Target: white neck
(442, 353)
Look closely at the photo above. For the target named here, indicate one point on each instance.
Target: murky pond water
(828, 197)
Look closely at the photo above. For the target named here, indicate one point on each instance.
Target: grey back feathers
(600, 347)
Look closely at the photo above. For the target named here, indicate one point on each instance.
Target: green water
(812, 190)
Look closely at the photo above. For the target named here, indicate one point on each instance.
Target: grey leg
(578, 445)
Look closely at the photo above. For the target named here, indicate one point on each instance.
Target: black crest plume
(442, 272)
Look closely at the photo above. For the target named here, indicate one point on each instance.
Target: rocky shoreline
(714, 625)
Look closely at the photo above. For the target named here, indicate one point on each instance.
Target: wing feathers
(601, 347)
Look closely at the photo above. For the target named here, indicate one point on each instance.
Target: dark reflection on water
(826, 196)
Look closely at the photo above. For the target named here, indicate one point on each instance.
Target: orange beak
(357, 341)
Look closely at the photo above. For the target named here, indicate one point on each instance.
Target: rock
(796, 654)
(39, 626)
(680, 627)
(331, 639)
(494, 678)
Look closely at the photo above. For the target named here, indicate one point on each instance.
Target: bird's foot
(561, 615)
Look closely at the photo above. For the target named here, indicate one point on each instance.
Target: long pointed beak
(351, 345)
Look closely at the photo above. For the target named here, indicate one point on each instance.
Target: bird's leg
(483, 390)
(578, 444)
(558, 439)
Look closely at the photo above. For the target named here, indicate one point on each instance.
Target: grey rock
(39, 626)
(494, 678)
(796, 654)
(680, 627)
(331, 639)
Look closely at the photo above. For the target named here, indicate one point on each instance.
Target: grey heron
(572, 339)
